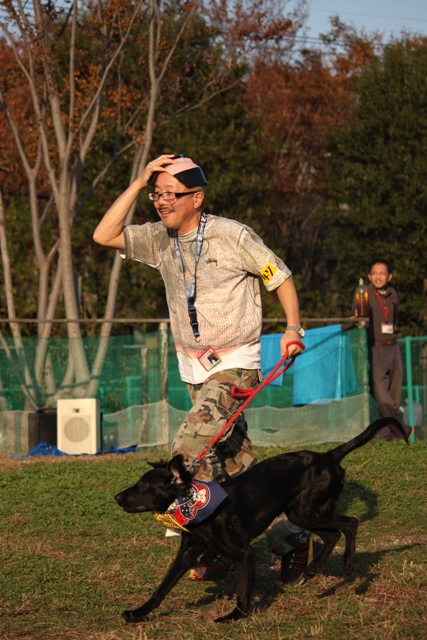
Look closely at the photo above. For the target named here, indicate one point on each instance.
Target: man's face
(183, 214)
(379, 275)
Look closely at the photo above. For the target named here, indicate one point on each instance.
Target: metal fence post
(408, 359)
(364, 375)
(163, 339)
(144, 388)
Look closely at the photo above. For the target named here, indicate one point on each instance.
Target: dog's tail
(343, 450)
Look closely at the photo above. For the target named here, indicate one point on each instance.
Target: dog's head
(158, 488)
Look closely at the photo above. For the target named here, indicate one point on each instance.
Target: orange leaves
(349, 51)
(246, 25)
(300, 101)
(259, 28)
(16, 102)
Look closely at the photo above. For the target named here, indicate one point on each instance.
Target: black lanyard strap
(190, 291)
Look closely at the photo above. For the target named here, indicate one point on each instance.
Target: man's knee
(283, 536)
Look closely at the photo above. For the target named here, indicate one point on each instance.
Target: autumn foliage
(83, 88)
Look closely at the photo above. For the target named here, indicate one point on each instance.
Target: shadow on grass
(267, 588)
(366, 571)
(353, 491)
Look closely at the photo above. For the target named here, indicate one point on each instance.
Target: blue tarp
(325, 370)
(270, 356)
(46, 449)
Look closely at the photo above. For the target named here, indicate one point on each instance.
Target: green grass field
(72, 560)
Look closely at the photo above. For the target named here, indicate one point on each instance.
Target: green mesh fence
(143, 400)
(414, 392)
(131, 372)
(142, 369)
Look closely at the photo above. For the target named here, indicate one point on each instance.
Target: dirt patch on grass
(9, 464)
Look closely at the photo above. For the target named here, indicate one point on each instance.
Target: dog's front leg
(245, 570)
(185, 559)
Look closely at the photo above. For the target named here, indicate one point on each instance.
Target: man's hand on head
(155, 166)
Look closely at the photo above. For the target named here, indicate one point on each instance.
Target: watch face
(301, 332)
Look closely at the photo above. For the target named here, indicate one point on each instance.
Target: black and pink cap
(186, 172)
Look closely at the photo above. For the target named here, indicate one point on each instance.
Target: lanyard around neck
(190, 291)
(385, 310)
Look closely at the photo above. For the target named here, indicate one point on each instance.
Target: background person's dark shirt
(377, 314)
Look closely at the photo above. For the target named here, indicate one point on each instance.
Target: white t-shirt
(228, 299)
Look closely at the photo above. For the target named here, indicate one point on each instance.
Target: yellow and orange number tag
(267, 272)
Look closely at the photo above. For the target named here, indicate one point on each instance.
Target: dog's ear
(177, 469)
(161, 464)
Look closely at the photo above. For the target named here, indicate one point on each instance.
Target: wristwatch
(299, 330)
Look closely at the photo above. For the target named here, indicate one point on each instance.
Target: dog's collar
(200, 502)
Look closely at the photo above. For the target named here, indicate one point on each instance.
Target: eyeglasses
(379, 273)
(169, 195)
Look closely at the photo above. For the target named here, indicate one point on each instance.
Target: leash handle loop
(274, 373)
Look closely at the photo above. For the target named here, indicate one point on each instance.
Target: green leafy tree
(377, 180)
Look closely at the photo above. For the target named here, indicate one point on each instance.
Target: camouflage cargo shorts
(213, 406)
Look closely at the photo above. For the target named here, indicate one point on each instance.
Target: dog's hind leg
(330, 533)
(348, 526)
(185, 559)
(245, 570)
(329, 539)
(327, 529)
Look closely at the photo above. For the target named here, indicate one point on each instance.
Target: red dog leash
(249, 394)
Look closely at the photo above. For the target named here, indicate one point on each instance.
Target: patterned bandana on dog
(200, 502)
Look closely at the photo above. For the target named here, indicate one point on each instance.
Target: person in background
(211, 267)
(386, 369)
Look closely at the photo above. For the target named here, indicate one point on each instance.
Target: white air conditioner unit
(79, 425)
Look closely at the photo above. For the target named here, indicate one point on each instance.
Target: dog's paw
(236, 614)
(133, 616)
(127, 616)
(349, 569)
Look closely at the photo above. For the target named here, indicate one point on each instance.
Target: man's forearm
(109, 231)
(288, 298)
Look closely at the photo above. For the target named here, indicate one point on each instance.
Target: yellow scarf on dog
(168, 521)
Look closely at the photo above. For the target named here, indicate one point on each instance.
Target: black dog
(305, 485)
